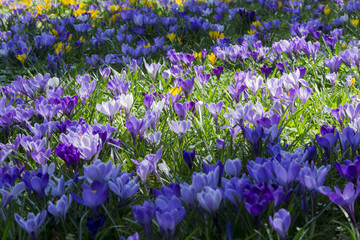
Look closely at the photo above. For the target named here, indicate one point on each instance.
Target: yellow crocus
(82, 39)
(212, 58)
(327, 10)
(279, 4)
(68, 48)
(256, 24)
(21, 57)
(94, 13)
(174, 91)
(132, 1)
(171, 37)
(114, 8)
(179, 2)
(58, 47)
(252, 31)
(147, 45)
(352, 82)
(197, 55)
(54, 32)
(355, 22)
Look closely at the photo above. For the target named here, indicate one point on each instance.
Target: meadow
(184, 119)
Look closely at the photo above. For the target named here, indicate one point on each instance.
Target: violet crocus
(334, 64)
(215, 109)
(69, 154)
(61, 206)
(94, 224)
(152, 69)
(137, 127)
(109, 108)
(169, 213)
(327, 142)
(189, 157)
(9, 193)
(254, 136)
(32, 223)
(124, 187)
(254, 83)
(332, 77)
(218, 71)
(92, 196)
(349, 170)
(105, 73)
(233, 167)
(281, 223)
(86, 88)
(187, 86)
(182, 109)
(144, 215)
(346, 199)
(101, 172)
(304, 94)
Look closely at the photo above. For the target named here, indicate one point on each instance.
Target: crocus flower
(9, 193)
(334, 64)
(61, 206)
(179, 127)
(215, 109)
(133, 237)
(92, 196)
(123, 187)
(181, 109)
(126, 102)
(189, 157)
(332, 78)
(327, 142)
(109, 108)
(209, 199)
(187, 86)
(233, 167)
(349, 170)
(281, 223)
(101, 172)
(152, 69)
(154, 138)
(346, 199)
(94, 224)
(144, 215)
(69, 154)
(218, 71)
(137, 127)
(169, 214)
(32, 223)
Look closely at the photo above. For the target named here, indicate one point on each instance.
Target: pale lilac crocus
(215, 109)
(332, 77)
(152, 69)
(109, 108)
(179, 127)
(126, 102)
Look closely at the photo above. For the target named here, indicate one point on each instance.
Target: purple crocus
(144, 215)
(346, 199)
(137, 127)
(32, 223)
(233, 167)
(69, 154)
(281, 223)
(215, 109)
(334, 64)
(327, 141)
(61, 206)
(187, 86)
(124, 187)
(169, 213)
(92, 196)
(254, 136)
(218, 71)
(9, 193)
(349, 170)
(332, 77)
(105, 73)
(304, 94)
(189, 157)
(182, 108)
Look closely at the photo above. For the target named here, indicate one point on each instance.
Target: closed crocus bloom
(109, 108)
(334, 63)
(209, 199)
(126, 102)
(189, 157)
(180, 127)
(349, 170)
(233, 167)
(152, 69)
(144, 215)
(281, 223)
(32, 223)
(124, 187)
(9, 193)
